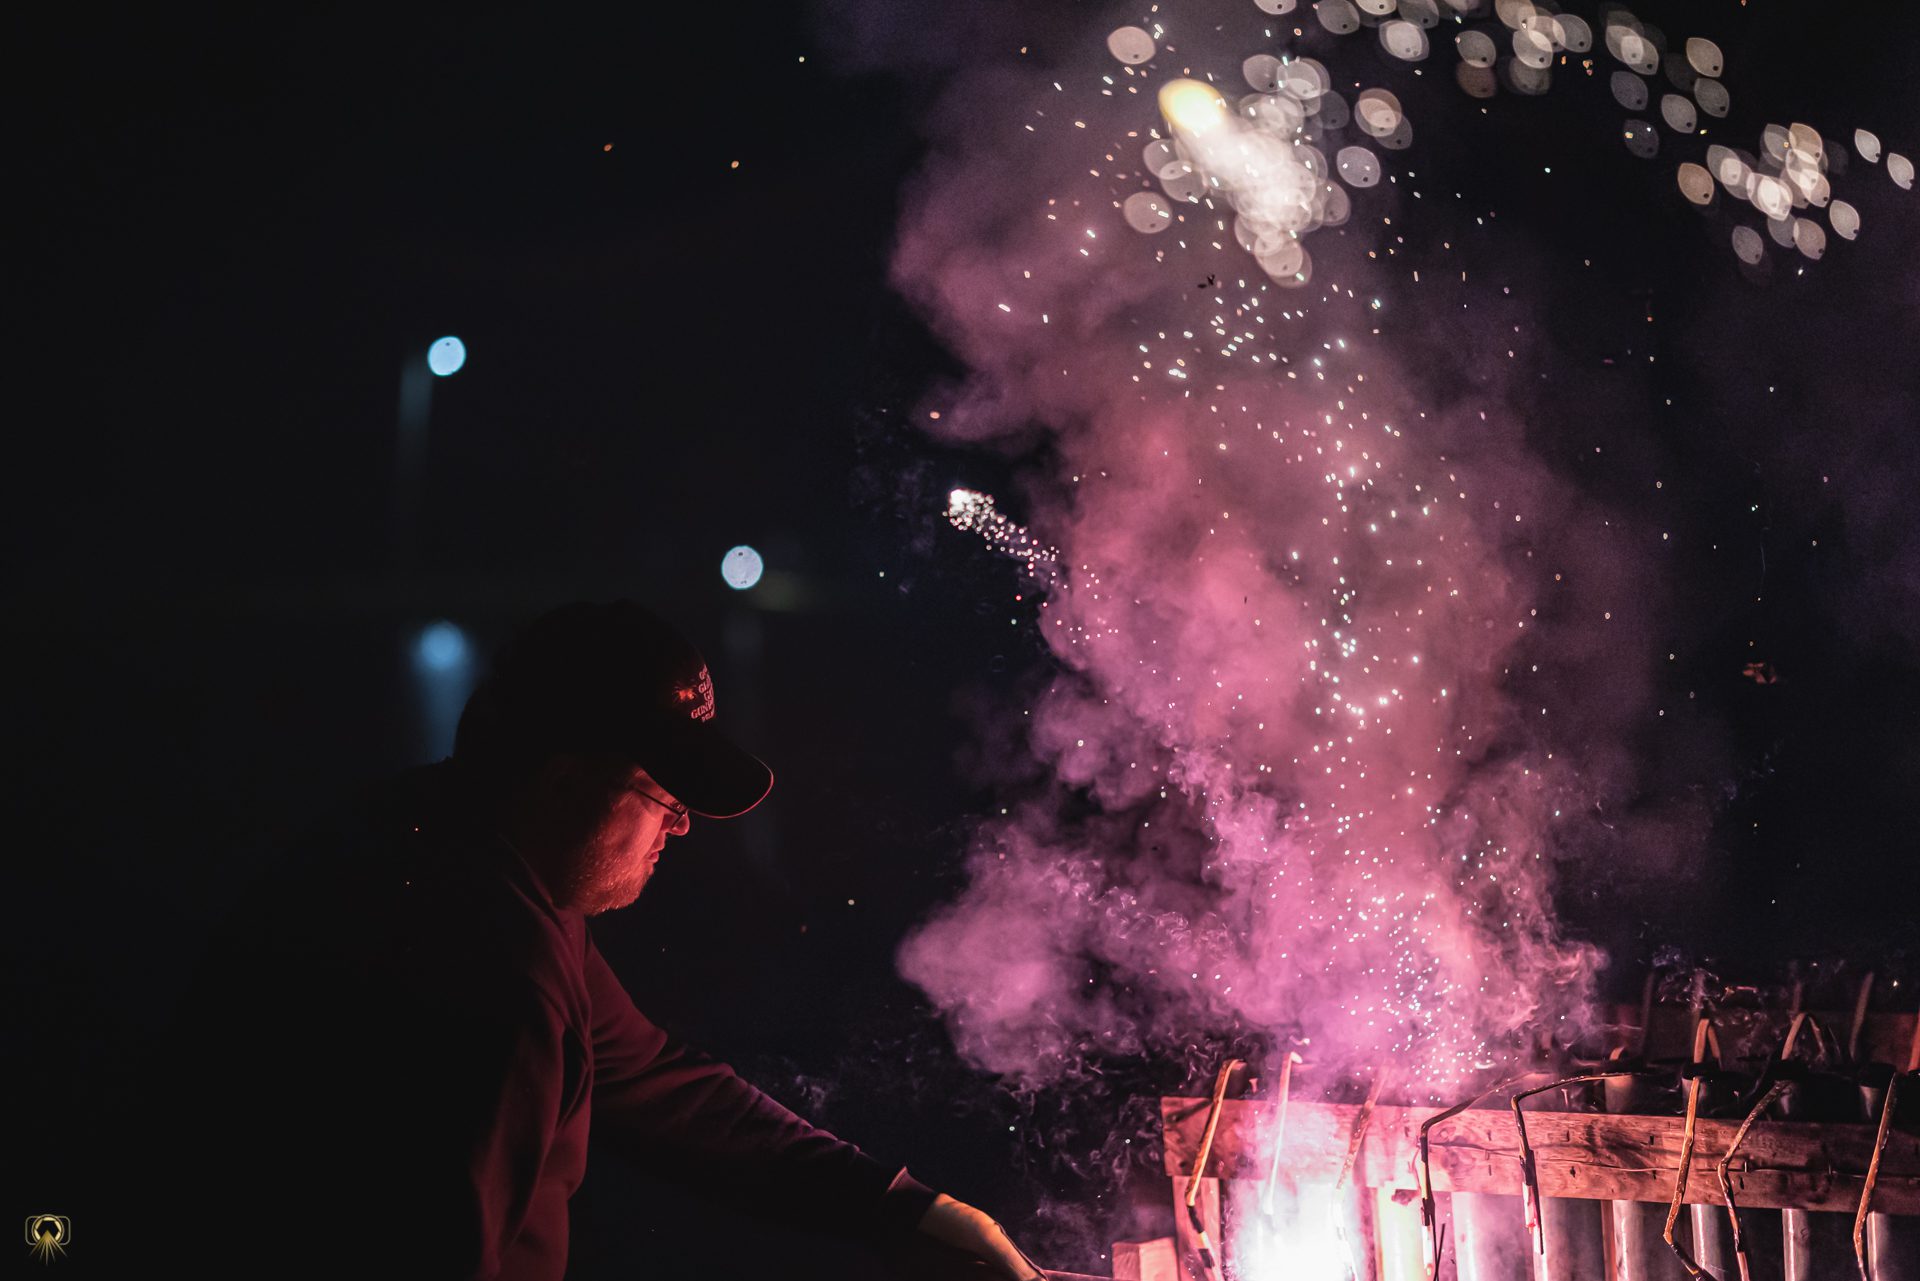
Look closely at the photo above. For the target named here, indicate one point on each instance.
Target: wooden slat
(1623, 1158)
(1154, 1260)
(1186, 1242)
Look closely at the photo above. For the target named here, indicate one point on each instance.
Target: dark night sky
(240, 227)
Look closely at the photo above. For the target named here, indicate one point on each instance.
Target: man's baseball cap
(615, 677)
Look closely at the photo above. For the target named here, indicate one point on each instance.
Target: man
(392, 1060)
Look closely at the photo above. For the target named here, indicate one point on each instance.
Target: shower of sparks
(972, 512)
(1290, 617)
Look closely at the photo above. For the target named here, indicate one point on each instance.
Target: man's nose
(680, 825)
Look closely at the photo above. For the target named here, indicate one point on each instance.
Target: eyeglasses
(675, 808)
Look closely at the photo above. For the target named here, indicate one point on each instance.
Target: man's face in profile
(611, 822)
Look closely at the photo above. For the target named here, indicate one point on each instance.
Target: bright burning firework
(973, 512)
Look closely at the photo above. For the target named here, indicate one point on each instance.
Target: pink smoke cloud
(1298, 777)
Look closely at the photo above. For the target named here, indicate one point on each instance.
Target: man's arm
(683, 1114)
(468, 1151)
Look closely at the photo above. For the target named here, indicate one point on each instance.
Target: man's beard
(605, 877)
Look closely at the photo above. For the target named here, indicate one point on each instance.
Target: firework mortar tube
(1429, 1213)
(1887, 1107)
(1529, 1174)
(1741, 1256)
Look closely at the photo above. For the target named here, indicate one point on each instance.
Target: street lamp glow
(446, 356)
(742, 567)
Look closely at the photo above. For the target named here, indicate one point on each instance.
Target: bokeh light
(1183, 182)
(1378, 113)
(1704, 56)
(1773, 144)
(1337, 16)
(1476, 48)
(1808, 238)
(1404, 40)
(1867, 144)
(446, 356)
(1533, 47)
(1696, 184)
(1732, 169)
(1629, 90)
(1712, 97)
(441, 647)
(1146, 212)
(742, 567)
(1522, 79)
(1130, 45)
(1157, 155)
(1627, 42)
(1514, 13)
(1772, 197)
(1262, 72)
(1476, 81)
(1424, 14)
(1358, 167)
(1900, 169)
(1678, 113)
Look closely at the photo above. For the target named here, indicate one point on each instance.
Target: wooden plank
(1145, 1260)
(1578, 1154)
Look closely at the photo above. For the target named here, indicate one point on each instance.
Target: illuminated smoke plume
(1345, 668)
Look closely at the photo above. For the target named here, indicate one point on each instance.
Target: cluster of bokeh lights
(1264, 155)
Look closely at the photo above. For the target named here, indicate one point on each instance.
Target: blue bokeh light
(446, 356)
(742, 567)
(442, 647)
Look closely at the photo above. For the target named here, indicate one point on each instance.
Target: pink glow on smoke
(1288, 597)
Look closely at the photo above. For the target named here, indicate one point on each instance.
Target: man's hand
(959, 1225)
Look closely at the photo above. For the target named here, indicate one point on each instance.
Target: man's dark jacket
(390, 1059)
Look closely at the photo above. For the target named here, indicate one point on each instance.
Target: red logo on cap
(698, 698)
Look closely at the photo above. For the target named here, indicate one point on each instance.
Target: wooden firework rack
(1373, 1153)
